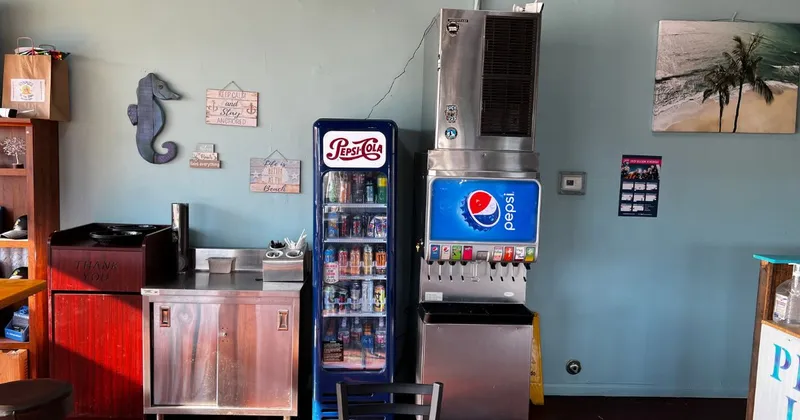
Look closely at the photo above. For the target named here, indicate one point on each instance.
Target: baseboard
(622, 390)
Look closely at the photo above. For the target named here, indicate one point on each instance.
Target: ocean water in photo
(687, 48)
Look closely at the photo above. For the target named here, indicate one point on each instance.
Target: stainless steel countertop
(204, 283)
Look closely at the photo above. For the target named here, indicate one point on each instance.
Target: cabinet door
(257, 356)
(184, 353)
(97, 347)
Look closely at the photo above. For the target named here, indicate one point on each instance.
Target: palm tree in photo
(720, 81)
(744, 63)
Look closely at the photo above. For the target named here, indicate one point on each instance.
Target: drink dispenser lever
(492, 270)
(441, 264)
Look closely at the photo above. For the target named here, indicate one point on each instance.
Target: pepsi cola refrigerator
(354, 269)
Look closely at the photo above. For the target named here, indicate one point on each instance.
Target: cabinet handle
(283, 320)
(165, 316)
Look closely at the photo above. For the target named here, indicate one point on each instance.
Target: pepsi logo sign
(482, 211)
(354, 149)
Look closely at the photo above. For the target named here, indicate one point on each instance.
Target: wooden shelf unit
(32, 191)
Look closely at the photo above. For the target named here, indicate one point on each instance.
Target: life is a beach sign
(777, 394)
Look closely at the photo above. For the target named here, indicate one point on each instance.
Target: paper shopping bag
(38, 84)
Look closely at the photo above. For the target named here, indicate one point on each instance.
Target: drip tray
(475, 313)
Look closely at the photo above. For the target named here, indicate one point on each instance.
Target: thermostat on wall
(572, 183)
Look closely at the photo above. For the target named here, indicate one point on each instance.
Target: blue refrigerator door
(354, 264)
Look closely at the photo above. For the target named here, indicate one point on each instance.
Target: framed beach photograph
(726, 77)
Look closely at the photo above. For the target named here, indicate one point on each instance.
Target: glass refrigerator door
(354, 219)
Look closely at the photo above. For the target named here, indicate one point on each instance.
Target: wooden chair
(349, 409)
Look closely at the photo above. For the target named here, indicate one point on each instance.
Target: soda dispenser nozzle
(527, 266)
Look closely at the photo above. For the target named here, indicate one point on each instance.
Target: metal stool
(35, 399)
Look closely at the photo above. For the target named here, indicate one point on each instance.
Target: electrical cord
(405, 68)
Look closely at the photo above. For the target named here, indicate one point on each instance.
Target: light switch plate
(572, 183)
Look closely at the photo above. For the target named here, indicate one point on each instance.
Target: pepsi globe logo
(482, 210)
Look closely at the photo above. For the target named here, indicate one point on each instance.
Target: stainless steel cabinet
(234, 354)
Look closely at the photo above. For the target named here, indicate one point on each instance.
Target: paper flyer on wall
(639, 187)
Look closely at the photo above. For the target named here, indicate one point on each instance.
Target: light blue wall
(651, 307)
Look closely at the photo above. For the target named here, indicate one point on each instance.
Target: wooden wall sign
(205, 157)
(231, 107)
(275, 175)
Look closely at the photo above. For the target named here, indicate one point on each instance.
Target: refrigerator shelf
(355, 240)
(355, 206)
(363, 277)
(356, 315)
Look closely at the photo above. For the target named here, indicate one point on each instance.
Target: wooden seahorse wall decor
(148, 117)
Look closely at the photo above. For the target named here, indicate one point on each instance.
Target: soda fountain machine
(478, 206)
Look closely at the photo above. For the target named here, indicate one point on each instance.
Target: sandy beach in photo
(756, 116)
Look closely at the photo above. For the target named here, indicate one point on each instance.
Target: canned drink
(380, 226)
(344, 261)
(355, 297)
(358, 187)
(344, 187)
(332, 225)
(380, 260)
(344, 224)
(332, 187)
(357, 227)
(329, 299)
(355, 261)
(383, 184)
(341, 301)
(379, 299)
(367, 259)
(367, 289)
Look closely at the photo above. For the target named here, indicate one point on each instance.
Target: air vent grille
(509, 75)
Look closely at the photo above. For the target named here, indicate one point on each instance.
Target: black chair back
(349, 409)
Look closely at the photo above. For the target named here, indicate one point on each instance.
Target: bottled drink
(787, 299)
(355, 333)
(332, 187)
(330, 332)
(355, 297)
(330, 254)
(355, 261)
(357, 226)
(367, 259)
(379, 298)
(367, 291)
(369, 191)
(344, 187)
(344, 261)
(329, 299)
(380, 260)
(332, 225)
(344, 333)
(358, 187)
(341, 300)
(383, 184)
(380, 336)
(367, 342)
(344, 224)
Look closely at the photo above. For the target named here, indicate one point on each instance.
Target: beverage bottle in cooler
(380, 336)
(357, 226)
(329, 299)
(357, 191)
(355, 296)
(332, 187)
(344, 261)
(330, 254)
(341, 300)
(367, 259)
(332, 225)
(367, 290)
(330, 332)
(344, 224)
(367, 342)
(355, 333)
(380, 260)
(355, 261)
(369, 191)
(379, 298)
(344, 188)
(344, 333)
(383, 184)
